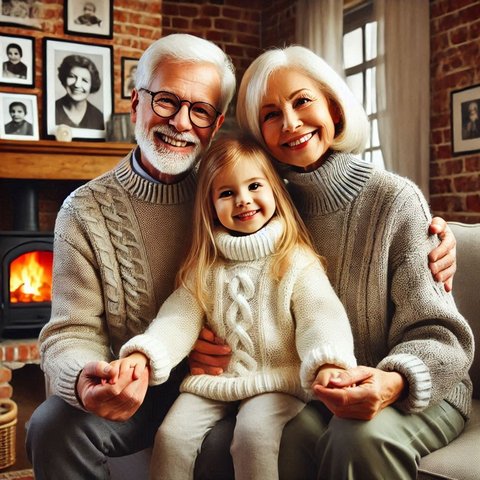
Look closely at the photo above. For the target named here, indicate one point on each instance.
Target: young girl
(254, 278)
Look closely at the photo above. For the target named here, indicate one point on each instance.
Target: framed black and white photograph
(465, 106)
(21, 12)
(120, 128)
(77, 88)
(129, 68)
(17, 56)
(20, 116)
(91, 18)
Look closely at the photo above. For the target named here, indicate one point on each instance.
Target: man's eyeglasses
(166, 105)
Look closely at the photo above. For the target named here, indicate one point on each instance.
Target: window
(360, 57)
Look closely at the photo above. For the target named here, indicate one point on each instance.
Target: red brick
(472, 164)
(188, 11)
(467, 183)
(5, 374)
(201, 23)
(473, 203)
(6, 390)
(440, 186)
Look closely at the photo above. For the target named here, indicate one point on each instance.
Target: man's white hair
(183, 47)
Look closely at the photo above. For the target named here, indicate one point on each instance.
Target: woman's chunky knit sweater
(119, 241)
(275, 328)
(372, 227)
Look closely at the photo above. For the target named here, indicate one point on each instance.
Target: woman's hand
(443, 259)
(210, 355)
(360, 393)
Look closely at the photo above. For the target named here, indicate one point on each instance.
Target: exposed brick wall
(278, 23)
(234, 28)
(455, 54)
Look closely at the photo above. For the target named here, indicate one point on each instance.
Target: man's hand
(110, 393)
(210, 355)
(360, 393)
(443, 259)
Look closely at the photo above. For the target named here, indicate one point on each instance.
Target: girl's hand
(326, 374)
(210, 355)
(131, 367)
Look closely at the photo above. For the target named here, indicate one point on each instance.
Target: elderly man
(119, 241)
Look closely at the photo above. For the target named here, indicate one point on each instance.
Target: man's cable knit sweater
(119, 241)
(279, 332)
(372, 227)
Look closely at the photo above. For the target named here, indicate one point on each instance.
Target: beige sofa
(461, 459)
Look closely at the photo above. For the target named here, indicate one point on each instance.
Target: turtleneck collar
(154, 191)
(250, 247)
(331, 186)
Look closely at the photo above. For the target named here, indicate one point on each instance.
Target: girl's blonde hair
(225, 153)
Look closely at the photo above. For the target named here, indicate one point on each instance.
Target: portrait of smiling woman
(78, 89)
(80, 78)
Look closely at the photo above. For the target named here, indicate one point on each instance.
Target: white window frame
(358, 16)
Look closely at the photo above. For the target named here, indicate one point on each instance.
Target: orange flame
(31, 277)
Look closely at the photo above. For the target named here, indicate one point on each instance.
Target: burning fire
(31, 277)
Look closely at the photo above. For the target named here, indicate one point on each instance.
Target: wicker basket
(8, 423)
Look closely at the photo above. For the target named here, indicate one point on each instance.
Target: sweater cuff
(155, 351)
(418, 377)
(65, 385)
(321, 356)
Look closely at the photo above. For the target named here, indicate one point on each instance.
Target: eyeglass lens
(167, 104)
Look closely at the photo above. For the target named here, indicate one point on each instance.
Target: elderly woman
(80, 78)
(411, 393)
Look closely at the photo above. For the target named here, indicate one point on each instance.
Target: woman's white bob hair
(353, 129)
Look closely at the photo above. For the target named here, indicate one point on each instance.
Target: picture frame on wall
(17, 57)
(20, 114)
(129, 68)
(78, 88)
(465, 109)
(120, 128)
(89, 18)
(25, 13)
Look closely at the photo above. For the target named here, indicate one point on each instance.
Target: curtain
(319, 27)
(403, 87)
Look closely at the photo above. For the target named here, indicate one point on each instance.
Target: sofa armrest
(466, 284)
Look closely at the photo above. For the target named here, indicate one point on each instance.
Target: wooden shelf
(52, 160)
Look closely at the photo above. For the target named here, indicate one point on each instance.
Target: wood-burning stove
(26, 258)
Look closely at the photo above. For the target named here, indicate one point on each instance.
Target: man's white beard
(161, 157)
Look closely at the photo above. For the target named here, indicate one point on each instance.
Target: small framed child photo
(20, 117)
(89, 18)
(129, 68)
(17, 56)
